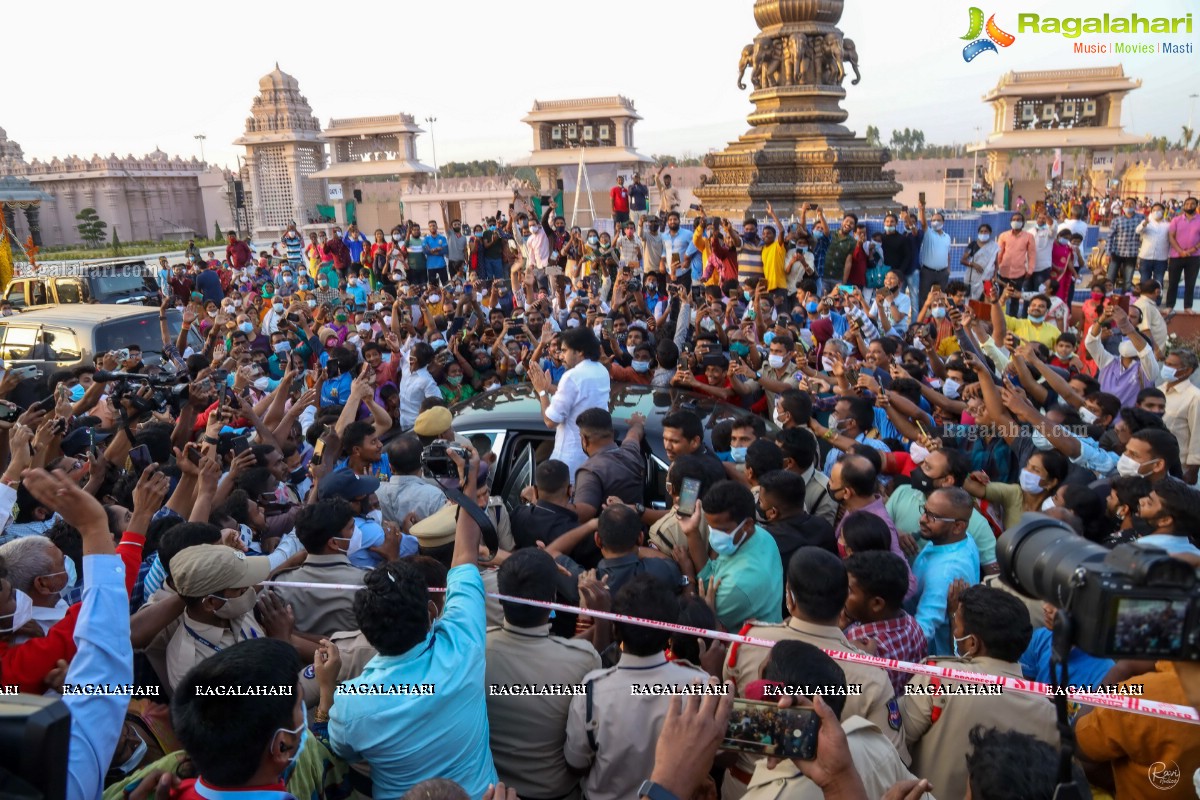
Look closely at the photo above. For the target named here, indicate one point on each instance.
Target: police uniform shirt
(491, 606)
(156, 650)
(624, 727)
(936, 727)
(318, 611)
(877, 703)
(355, 650)
(528, 732)
(875, 760)
(195, 641)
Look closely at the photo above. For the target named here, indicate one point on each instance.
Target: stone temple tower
(797, 149)
(283, 148)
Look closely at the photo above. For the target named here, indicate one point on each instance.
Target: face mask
(811, 307)
(1157, 215)
(768, 337)
(776, 362)
(938, 312)
(936, 225)
(738, 454)
(1097, 296)
(918, 454)
(311, 303)
(134, 760)
(983, 237)
(302, 732)
(323, 283)
(708, 324)
(1037, 319)
(1048, 503)
(1127, 350)
(739, 348)
(1031, 482)
(212, 314)
(958, 639)
(1040, 442)
(640, 367)
(491, 387)
(1129, 212)
(278, 307)
(375, 516)
(1088, 417)
(21, 614)
(721, 542)
(889, 228)
(235, 607)
(1127, 467)
(967, 418)
(920, 481)
(227, 309)
(777, 418)
(1168, 374)
(246, 327)
(592, 240)
(572, 323)
(262, 383)
(950, 388)
(1016, 226)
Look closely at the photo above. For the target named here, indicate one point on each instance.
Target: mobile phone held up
(766, 729)
(689, 492)
(140, 458)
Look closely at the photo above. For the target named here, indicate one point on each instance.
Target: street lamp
(433, 144)
(200, 137)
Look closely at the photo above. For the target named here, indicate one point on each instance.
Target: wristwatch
(654, 791)
(541, 393)
(639, 508)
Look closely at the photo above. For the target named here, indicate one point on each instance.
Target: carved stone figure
(795, 59)
(834, 73)
(787, 73)
(850, 54)
(816, 58)
(747, 60)
(771, 64)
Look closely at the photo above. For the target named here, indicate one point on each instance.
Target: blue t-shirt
(638, 193)
(438, 260)
(1083, 669)
(359, 293)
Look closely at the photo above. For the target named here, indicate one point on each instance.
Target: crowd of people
(283, 501)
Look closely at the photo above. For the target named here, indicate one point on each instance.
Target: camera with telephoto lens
(437, 462)
(1134, 601)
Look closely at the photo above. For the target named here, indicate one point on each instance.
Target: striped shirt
(750, 261)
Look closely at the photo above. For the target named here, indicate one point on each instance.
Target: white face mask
(1127, 467)
(950, 388)
(776, 361)
(1127, 350)
(1040, 441)
(1168, 374)
(777, 418)
(918, 452)
(262, 383)
(1031, 482)
(235, 607)
(22, 613)
(375, 516)
(983, 237)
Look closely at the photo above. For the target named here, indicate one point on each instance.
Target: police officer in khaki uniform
(991, 630)
(355, 652)
(435, 538)
(216, 583)
(611, 732)
(817, 587)
(528, 731)
(325, 529)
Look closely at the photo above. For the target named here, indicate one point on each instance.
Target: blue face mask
(811, 307)
(738, 454)
(1040, 442)
(938, 313)
(77, 392)
(302, 732)
(739, 348)
(958, 639)
(768, 337)
(722, 543)
(72, 577)
(1038, 320)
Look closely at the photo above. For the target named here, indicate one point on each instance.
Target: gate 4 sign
(335, 191)
(1103, 160)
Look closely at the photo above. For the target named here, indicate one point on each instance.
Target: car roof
(517, 408)
(67, 313)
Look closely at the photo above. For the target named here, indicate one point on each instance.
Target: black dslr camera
(1133, 601)
(437, 462)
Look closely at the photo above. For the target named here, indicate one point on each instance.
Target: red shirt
(238, 254)
(620, 198)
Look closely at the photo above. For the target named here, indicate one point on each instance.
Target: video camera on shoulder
(437, 462)
(1134, 601)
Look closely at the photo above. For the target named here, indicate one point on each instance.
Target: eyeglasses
(927, 515)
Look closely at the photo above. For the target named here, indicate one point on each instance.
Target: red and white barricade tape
(1121, 702)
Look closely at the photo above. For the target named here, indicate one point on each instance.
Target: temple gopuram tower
(797, 149)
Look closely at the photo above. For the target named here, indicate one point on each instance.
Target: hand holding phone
(689, 492)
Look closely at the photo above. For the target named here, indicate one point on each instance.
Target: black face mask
(920, 481)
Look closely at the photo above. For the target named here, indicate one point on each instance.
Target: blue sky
(158, 75)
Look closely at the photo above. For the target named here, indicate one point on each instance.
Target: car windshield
(114, 285)
(141, 331)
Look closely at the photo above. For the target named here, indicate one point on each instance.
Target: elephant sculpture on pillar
(850, 55)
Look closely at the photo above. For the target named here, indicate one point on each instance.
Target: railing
(383, 119)
(1063, 74)
(587, 102)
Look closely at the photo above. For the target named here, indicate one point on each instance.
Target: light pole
(200, 137)
(433, 144)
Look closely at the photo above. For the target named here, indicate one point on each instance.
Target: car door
(518, 475)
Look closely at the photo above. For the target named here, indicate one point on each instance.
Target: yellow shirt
(773, 256)
(1047, 333)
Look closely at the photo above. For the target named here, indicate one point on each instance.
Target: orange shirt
(1018, 254)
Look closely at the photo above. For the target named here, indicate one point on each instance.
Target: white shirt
(538, 245)
(1155, 246)
(586, 385)
(414, 388)
(1076, 226)
(1044, 242)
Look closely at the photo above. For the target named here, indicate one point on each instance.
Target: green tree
(116, 242)
(91, 228)
(873, 139)
(217, 231)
